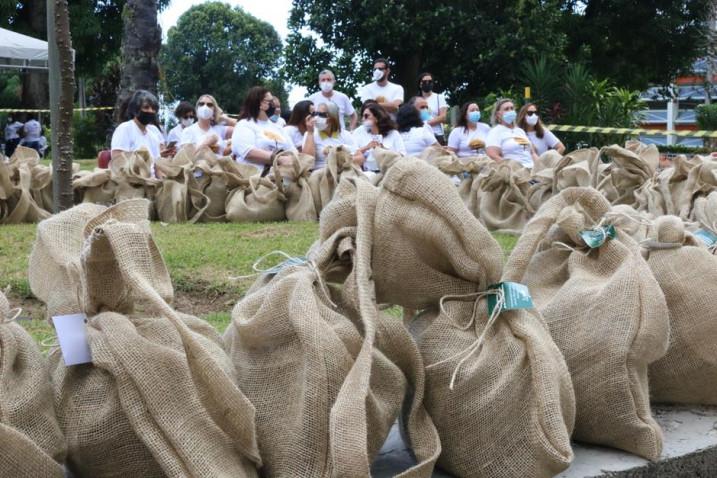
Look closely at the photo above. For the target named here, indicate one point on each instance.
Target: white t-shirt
(33, 130)
(195, 134)
(258, 134)
(339, 99)
(417, 139)
(391, 92)
(281, 122)
(293, 133)
(12, 130)
(175, 134)
(460, 141)
(548, 141)
(392, 141)
(342, 138)
(129, 138)
(513, 143)
(435, 102)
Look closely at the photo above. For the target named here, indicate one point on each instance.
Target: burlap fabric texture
(160, 396)
(605, 311)
(498, 391)
(31, 442)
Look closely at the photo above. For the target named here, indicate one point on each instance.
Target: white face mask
(205, 112)
(186, 122)
(377, 74)
(326, 86)
(368, 124)
(532, 120)
(321, 123)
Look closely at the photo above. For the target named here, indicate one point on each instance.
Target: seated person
(185, 114)
(208, 130)
(256, 139)
(469, 135)
(325, 130)
(377, 130)
(139, 131)
(296, 127)
(416, 136)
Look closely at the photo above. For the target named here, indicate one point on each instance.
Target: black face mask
(426, 86)
(145, 117)
(271, 110)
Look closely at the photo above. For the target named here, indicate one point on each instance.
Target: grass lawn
(85, 164)
(204, 261)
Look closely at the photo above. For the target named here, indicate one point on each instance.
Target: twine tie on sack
(637, 219)
(652, 244)
(12, 317)
(290, 260)
(477, 345)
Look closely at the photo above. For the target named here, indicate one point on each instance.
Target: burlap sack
(159, 398)
(511, 409)
(385, 158)
(259, 200)
(631, 167)
(323, 181)
(132, 172)
(178, 198)
(94, 187)
(293, 180)
(31, 442)
(476, 168)
(704, 213)
(19, 206)
(605, 312)
(686, 271)
(504, 205)
(542, 178)
(41, 186)
(326, 372)
(701, 181)
(576, 168)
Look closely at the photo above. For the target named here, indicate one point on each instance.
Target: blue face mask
(274, 118)
(509, 116)
(425, 115)
(474, 116)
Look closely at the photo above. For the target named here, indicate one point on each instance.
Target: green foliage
(88, 135)
(10, 90)
(707, 117)
(221, 50)
(681, 149)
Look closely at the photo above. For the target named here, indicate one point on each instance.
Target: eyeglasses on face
(382, 68)
(189, 117)
(531, 112)
(206, 103)
(320, 115)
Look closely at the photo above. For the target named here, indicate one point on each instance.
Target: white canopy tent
(23, 52)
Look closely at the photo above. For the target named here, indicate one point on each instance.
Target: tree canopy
(223, 51)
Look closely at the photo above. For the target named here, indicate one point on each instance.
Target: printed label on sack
(708, 237)
(72, 335)
(595, 238)
(515, 296)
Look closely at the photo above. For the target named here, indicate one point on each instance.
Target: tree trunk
(62, 88)
(407, 73)
(35, 92)
(141, 40)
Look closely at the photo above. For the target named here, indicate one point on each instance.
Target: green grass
(205, 261)
(85, 164)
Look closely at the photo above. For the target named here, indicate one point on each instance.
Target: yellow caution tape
(632, 131)
(93, 108)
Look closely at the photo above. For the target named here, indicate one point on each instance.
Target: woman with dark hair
(140, 130)
(538, 134)
(256, 138)
(437, 105)
(324, 129)
(296, 126)
(469, 135)
(185, 114)
(416, 136)
(377, 130)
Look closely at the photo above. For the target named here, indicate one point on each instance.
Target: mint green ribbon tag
(596, 237)
(515, 296)
(708, 237)
(294, 261)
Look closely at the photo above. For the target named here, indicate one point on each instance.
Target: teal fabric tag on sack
(708, 237)
(596, 237)
(515, 296)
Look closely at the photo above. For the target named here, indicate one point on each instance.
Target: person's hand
(373, 144)
(380, 99)
(168, 152)
(310, 123)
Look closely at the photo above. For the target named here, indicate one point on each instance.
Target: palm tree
(141, 40)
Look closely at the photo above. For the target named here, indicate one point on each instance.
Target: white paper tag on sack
(72, 335)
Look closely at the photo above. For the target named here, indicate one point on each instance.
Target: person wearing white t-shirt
(12, 135)
(295, 128)
(414, 133)
(327, 80)
(538, 134)
(256, 139)
(378, 131)
(208, 130)
(506, 140)
(140, 130)
(468, 138)
(436, 104)
(324, 130)
(388, 95)
(276, 117)
(185, 114)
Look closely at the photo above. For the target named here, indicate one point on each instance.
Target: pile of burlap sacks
(312, 372)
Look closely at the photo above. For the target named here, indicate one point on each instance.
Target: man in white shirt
(327, 94)
(387, 94)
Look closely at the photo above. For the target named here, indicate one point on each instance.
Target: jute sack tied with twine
(687, 273)
(327, 373)
(323, 181)
(504, 205)
(17, 204)
(31, 442)
(160, 396)
(292, 172)
(259, 199)
(605, 312)
(497, 390)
